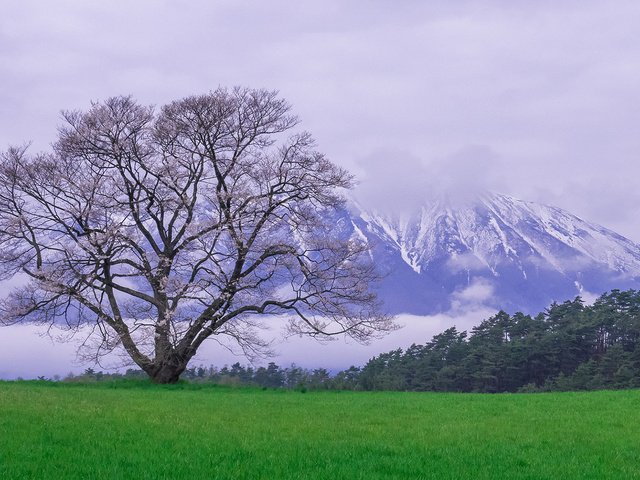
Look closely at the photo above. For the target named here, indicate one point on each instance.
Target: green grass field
(147, 432)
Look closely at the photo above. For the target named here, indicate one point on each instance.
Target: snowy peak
(545, 227)
(503, 240)
(499, 227)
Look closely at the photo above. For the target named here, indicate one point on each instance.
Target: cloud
(466, 262)
(343, 353)
(538, 99)
(588, 297)
(392, 180)
(472, 297)
(399, 180)
(26, 352)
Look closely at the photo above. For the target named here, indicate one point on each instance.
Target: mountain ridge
(527, 253)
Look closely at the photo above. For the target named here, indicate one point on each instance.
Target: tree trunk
(166, 373)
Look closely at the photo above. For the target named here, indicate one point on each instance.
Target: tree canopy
(162, 227)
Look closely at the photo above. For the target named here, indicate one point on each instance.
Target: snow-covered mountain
(495, 250)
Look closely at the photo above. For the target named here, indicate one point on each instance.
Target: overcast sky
(539, 99)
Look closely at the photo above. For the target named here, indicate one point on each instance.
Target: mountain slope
(495, 250)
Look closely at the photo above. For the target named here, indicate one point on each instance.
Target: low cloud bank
(25, 352)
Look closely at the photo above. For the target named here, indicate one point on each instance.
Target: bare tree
(163, 228)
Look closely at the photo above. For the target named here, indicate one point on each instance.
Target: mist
(29, 351)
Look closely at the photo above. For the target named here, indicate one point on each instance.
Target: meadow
(141, 431)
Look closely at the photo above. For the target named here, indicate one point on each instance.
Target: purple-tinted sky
(537, 99)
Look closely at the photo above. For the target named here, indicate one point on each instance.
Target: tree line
(569, 346)
(270, 376)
